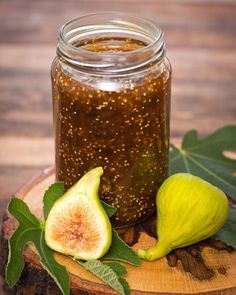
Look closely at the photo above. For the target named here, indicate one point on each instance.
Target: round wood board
(206, 268)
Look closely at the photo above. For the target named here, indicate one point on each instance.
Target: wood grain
(207, 268)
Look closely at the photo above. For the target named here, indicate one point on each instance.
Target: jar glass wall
(111, 95)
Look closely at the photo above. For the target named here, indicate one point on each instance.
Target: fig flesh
(77, 224)
(189, 210)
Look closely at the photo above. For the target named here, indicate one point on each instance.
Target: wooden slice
(206, 268)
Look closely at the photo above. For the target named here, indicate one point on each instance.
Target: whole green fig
(189, 209)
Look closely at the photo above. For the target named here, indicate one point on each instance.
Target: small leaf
(30, 230)
(204, 158)
(118, 268)
(119, 250)
(107, 274)
(21, 212)
(228, 233)
(125, 286)
(110, 211)
(54, 192)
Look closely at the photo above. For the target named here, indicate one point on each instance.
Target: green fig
(189, 210)
(77, 224)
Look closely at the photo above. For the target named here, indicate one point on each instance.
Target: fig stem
(158, 251)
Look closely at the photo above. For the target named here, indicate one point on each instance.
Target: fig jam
(117, 120)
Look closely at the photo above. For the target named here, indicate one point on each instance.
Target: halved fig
(77, 224)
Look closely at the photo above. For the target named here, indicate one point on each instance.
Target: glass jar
(111, 86)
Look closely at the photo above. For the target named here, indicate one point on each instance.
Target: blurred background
(200, 37)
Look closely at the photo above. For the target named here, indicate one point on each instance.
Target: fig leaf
(110, 211)
(54, 192)
(120, 251)
(118, 268)
(31, 229)
(112, 275)
(125, 286)
(228, 232)
(204, 158)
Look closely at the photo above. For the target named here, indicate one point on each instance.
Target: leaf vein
(209, 171)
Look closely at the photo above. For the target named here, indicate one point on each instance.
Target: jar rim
(105, 23)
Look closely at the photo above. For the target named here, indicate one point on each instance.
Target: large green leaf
(30, 229)
(204, 158)
(16, 261)
(120, 251)
(27, 223)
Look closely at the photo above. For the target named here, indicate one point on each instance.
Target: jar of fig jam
(111, 87)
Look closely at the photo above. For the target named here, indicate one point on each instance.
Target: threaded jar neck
(110, 43)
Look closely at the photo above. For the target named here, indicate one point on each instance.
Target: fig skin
(189, 210)
(77, 224)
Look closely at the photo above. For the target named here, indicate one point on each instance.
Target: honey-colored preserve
(119, 122)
